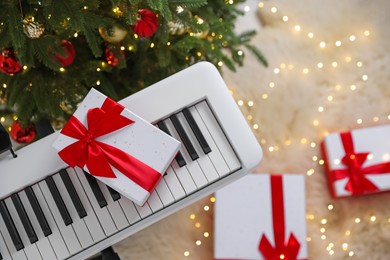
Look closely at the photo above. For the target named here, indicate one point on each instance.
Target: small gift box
(261, 216)
(357, 162)
(116, 146)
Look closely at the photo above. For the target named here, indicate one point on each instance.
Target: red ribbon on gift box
(355, 172)
(98, 156)
(283, 249)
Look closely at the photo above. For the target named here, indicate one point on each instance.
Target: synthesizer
(51, 211)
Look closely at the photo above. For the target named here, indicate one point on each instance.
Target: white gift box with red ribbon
(261, 216)
(116, 146)
(357, 162)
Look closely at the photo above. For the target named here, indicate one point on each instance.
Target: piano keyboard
(55, 212)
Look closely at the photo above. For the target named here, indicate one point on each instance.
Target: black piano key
(9, 223)
(179, 157)
(114, 194)
(32, 236)
(195, 128)
(96, 190)
(73, 194)
(183, 135)
(38, 211)
(59, 201)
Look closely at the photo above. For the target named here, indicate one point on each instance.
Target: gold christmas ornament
(203, 33)
(31, 28)
(176, 28)
(114, 34)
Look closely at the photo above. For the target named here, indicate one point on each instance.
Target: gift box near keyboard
(261, 216)
(116, 146)
(358, 162)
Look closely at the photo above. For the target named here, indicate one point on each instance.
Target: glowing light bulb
(206, 234)
(357, 220)
(260, 5)
(322, 44)
(359, 121)
(337, 43)
(334, 64)
(276, 70)
(324, 221)
(372, 218)
(310, 35)
(250, 103)
(353, 87)
(192, 216)
(364, 77)
(352, 38)
(198, 242)
(305, 71)
(320, 65)
(320, 109)
(186, 253)
(297, 28)
(271, 84)
(240, 102)
(344, 246)
(274, 9)
(330, 206)
(285, 18)
(359, 64)
(366, 33)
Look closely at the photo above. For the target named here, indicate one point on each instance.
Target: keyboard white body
(201, 82)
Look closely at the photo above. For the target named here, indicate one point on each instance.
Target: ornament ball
(8, 62)
(23, 135)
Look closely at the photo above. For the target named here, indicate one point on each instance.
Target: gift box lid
(150, 149)
(243, 214)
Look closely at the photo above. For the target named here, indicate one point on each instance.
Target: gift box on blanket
(116, 146)
(357, 162)
(261, 216)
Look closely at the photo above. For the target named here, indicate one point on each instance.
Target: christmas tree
(53, 52)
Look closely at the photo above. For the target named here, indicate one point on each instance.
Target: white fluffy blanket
(293, 111)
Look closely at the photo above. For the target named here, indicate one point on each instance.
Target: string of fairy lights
(249, 106)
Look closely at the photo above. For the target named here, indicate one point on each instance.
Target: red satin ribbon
(98, 156)
(283, 249)
(357, 182)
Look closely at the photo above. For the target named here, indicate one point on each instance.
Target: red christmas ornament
(68, 58)
(23, 135)
(147, 23)
(111, 58)
(8, 62)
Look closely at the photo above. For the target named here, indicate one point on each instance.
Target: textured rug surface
(306, 92)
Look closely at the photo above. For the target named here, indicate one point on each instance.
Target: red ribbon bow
(357, 182)
(98, 156)
(287, 250)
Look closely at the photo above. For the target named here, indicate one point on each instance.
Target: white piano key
(78, 224)
(129, 209)
(155, 202)
(215, 155)
(143, 211)
(114, 208)
(174, 184)
(218, 136)
(192, 166)
(56, 239)
(67, 232)
(164, 193)
(8, 241)
(203, 161)
(43, 242)
(103, 215)
(90, 220)
(3, 248)
(30, 250)
(182, 173)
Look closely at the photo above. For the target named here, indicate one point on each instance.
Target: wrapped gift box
(116, 146)
(261, 216)
(357, 162)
